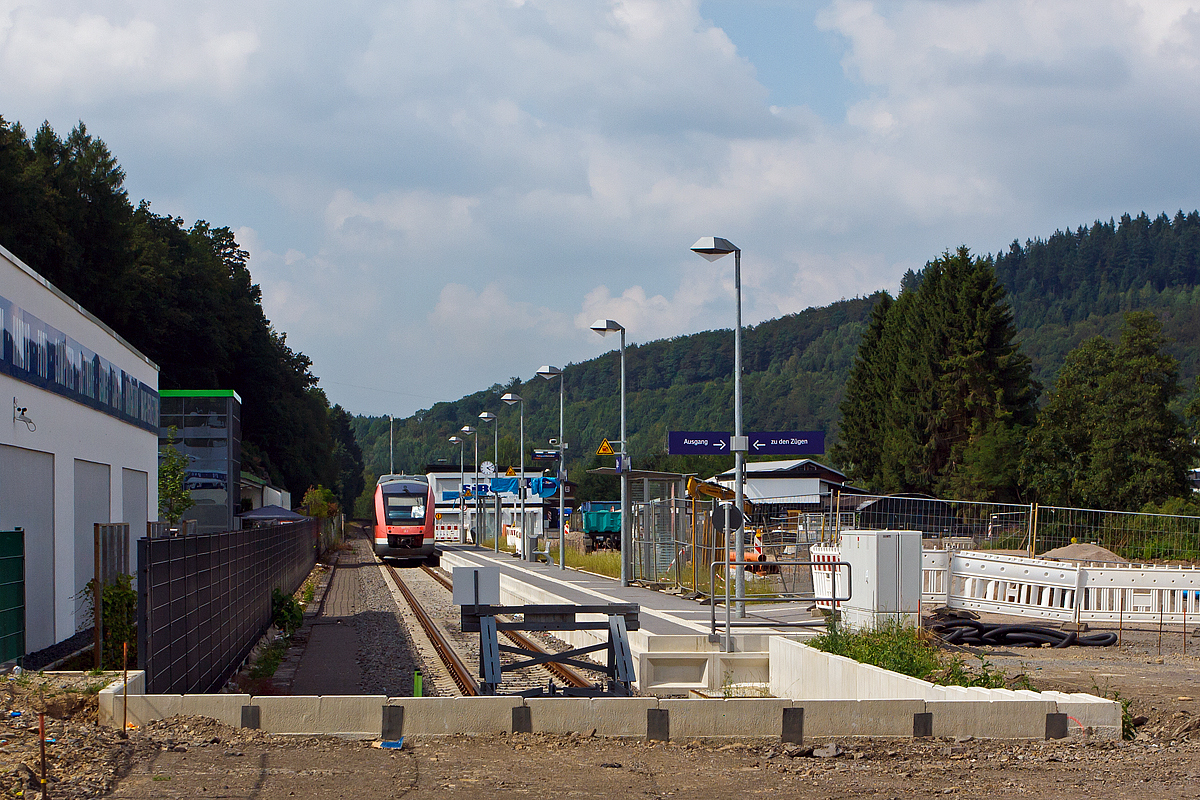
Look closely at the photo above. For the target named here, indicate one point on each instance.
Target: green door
(12, 594)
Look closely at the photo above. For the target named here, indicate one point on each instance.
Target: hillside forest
(182, 295)
(1035, 304)
(1060, 369)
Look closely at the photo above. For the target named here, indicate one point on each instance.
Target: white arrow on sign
(720, 445)
(758, 445)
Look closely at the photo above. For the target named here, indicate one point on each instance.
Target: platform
(673, 653)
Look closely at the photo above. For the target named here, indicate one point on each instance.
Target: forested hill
(1077, 284)
(1063, 290)
(182, 295)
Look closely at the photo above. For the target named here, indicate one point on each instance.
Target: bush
(286, 613)
(908, 651)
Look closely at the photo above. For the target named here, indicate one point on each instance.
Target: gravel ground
(386, 653)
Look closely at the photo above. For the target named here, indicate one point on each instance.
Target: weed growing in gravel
(269, 661)
(1128, 729)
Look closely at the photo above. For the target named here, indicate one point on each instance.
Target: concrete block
(859, 717)
(735, 668)
(109, 694)
(609, 716)
(673, 673)
(436, 716)
(226, 708)
(298, 715)
(1024, 719)
(1088, 711)
(357, 716)
(146, 707)
(748, 717)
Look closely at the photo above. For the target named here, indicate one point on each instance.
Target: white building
(804, 479)
(82, 447)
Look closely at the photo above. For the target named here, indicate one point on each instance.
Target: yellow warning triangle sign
(605, 449)
(511, 472)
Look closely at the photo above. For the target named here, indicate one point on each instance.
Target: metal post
(496, 457)
(391, 447)
(626, 539)
(739, 448)
(728, 640)
(562, 473)
(475, 491)
(529, 556)
(462, 498)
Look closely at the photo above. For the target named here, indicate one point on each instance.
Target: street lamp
(511, 398)
(711, 248)
(488, 416)
(604, 327)
(391, 448)
(462, 478)
(549, 372)
(469, 431)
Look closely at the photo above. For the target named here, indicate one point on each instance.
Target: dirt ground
(195, 757)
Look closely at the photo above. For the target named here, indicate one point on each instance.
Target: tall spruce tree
(940, 393)
(1108, 437)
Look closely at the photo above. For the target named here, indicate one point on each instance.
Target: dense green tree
(348, 457)
(1108, 437)
(182, 295)
(940, 390)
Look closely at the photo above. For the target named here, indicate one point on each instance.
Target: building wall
(75, 467)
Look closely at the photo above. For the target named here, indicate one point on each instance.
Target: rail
(561, 671)
(834, 568)
(459, 673)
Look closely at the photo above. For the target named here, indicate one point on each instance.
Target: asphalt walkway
(661, 613)
(330, 661)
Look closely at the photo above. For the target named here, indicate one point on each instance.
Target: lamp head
(467, 429)
(713, 247)
(512, 397)
(456, 440)
(487, 416)
(606, 326)
(549, 372)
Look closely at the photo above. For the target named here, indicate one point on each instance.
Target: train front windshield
(404, 509)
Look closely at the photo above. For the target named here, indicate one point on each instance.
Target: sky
(438, 195)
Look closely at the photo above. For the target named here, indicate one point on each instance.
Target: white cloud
(490, 170)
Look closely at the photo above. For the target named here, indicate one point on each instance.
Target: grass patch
(269, 661)
(910, 652)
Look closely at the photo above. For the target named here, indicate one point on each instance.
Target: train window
(404, 508)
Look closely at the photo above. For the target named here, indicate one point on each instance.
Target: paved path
(661, 613)
(330, 662)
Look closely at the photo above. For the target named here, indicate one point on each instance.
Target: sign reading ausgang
(786, 443)
(697, 442)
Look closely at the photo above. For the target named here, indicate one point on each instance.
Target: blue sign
(786, 443)
(698, 442)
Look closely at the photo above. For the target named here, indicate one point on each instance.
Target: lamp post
(488, 416)
(391, 447)
(469, 431)
(549, 372)
(512, 398)
(462, 478)
(605, 327)
(711, 248)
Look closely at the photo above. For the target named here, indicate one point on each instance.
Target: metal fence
(204, 600)
(674, 540)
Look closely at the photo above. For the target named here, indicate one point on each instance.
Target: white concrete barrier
(607, 716)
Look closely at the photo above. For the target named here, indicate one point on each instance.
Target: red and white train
(404, 517)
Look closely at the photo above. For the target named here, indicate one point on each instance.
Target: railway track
(456, 649)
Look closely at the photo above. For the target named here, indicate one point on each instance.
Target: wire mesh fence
(1133, 536)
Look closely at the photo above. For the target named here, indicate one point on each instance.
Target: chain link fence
(674, 540)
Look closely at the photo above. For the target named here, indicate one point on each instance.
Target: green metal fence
(12, 594)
